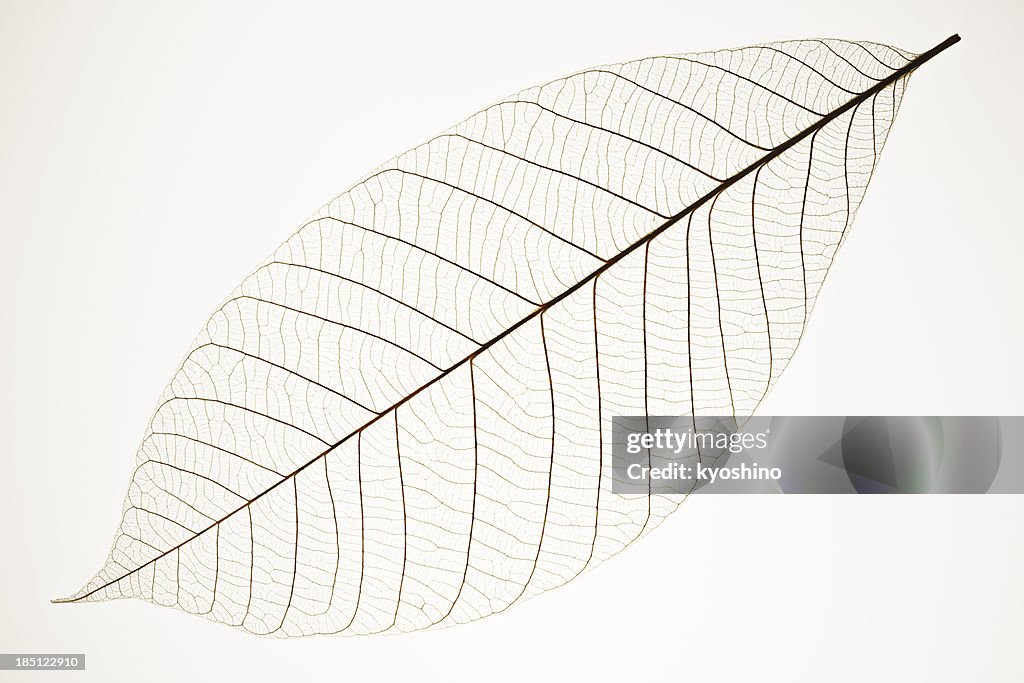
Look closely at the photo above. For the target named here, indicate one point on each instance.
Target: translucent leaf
(402, 418)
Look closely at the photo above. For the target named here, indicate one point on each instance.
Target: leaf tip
(67, 599)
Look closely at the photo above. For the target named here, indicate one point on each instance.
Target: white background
(152, 155)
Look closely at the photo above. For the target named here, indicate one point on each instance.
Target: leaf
(402, 418)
